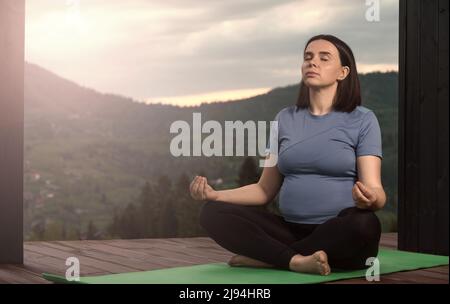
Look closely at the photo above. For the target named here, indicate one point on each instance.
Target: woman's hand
(364, 197)
(200, 190)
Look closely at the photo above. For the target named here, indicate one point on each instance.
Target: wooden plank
(402, 221)
(434, 275)
(108, 253)
(50, 257)
(427, 140)
(17, 275)
(383, 280)
(423, 126)
(38, 263)
(206, 252)
(416, 277)
(442, 120)
(440, 269)
(175, 247)
(391, 236)
(30, 275)
(55, 265)
(389, 244)
(167, 258)
(84, 261)
(397, 278)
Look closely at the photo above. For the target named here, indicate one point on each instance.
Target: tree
(162, 205)
(187, 209)
(53, 231)
(103, 199)
(114, 228)
(147, 215)
(37, 230)
(129, 223)
(169, 221)
(248, 172)
(92, 232)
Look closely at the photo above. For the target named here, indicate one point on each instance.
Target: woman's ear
(344, 73)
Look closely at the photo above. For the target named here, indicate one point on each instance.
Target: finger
(362, 187)
(354, 192)
(193, 193)
(359, 194)
(361, 197)
(202, 188)
(359, 202)
(205, 184)
(368, 193)
(197, 185)
(192, 183)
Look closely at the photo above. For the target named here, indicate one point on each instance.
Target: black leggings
(348, 239)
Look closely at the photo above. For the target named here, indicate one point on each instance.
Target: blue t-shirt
(317, 156)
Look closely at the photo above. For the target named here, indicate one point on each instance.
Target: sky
(185, 52)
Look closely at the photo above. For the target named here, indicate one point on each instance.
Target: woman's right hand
(200, 190)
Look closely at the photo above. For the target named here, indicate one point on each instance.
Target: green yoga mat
(220, 273)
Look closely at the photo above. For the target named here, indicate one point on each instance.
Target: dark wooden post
(423, 126)
(12, 28)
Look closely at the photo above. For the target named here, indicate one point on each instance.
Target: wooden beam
(423, 126)
(12, 28)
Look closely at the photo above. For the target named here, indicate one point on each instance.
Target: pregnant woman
(328, 176)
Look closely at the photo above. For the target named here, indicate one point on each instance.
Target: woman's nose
(312, 63)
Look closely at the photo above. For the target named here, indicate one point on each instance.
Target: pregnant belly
(313, 199)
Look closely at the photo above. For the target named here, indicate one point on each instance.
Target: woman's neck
(321, 99)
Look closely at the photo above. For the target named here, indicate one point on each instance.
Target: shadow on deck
(117, 256)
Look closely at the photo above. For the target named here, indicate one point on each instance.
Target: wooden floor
(116, 256)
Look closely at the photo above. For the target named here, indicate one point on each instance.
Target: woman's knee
(366, 224)
(361, 258)
(212, 212)
(207, 211)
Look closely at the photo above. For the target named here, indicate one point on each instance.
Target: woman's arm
(259, 193)
(368, 192)
(251, 195)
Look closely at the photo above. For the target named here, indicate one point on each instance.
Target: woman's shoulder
(285, 113)
(359, 114)
(289, 110)
(361, 110)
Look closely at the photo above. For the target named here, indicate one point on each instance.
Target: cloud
(146, 49)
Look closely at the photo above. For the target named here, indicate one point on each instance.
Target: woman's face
(321, 59)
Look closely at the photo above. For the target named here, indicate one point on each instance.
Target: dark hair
(348, 92)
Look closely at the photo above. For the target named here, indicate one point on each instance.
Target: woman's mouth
(311, 74)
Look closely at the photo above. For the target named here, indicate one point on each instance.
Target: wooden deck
(116, 256)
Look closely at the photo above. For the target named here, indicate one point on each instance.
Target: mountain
(87, 153)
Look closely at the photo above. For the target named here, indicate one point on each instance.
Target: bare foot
(315, 263)
(241, 260)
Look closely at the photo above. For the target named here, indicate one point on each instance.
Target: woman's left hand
(363, 196)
